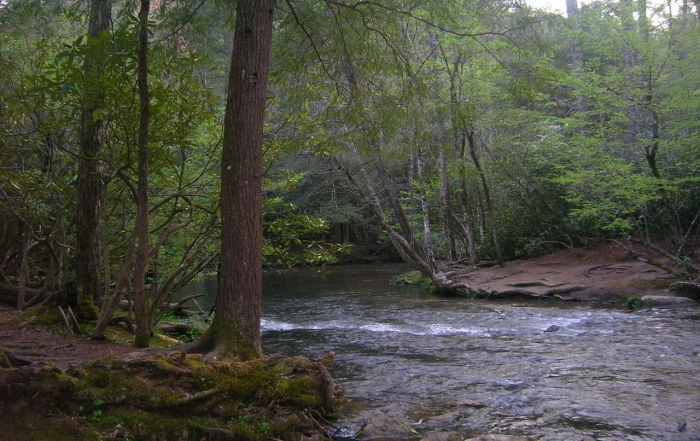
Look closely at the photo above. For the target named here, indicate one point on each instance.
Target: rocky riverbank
(605, 276)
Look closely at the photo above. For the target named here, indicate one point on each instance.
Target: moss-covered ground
(166, 397)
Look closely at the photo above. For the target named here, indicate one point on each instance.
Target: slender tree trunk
(105, 257)
(87, 256)
(459, 144)
(388, 188)
(23, 272)
(468, 224)
(143, 325)
(442, 142)
(407, 251)
(446, 206)
(427, 237)
(487, 194)
(391, 193)
(235, 330)
(111, 303)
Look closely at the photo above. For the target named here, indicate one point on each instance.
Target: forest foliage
(478, 130)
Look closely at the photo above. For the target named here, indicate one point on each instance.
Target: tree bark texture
(87, 255)
(235, 330)
(143, 330)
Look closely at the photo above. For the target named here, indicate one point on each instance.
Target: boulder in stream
(690, 290)
(385, 427)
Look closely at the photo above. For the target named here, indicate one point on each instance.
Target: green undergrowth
(170, 397)
(632, 302)
(413, 278)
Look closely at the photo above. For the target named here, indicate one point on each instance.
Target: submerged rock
(498, 438)
(667, 301)
(444, 436)
(383, 426)
(463, 409)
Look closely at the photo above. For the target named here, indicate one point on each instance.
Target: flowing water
(549, 372)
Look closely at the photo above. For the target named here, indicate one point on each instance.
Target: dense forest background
(441, 130)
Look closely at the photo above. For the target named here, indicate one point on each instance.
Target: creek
(549, 371)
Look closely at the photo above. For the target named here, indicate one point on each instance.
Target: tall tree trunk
(143, 326)
(442, 142)
(446, 206)
(23, 270)
(235, 330)
(87, 255)
(427, 237)
(466, 204)
(469, 134)
(459, 144)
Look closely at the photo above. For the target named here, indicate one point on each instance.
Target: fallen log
(176, 308)
(9, 294)
(122, 320)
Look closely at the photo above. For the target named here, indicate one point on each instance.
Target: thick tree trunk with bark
(87, 255)
(235, 330)
(143, 325)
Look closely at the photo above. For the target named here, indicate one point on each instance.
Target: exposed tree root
(505, 276)
(537, 283)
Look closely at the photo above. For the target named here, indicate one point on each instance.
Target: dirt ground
(603, 275)
(53, 346)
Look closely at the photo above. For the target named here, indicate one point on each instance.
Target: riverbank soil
(605, 275)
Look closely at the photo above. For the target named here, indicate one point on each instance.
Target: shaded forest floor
(52, 345)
